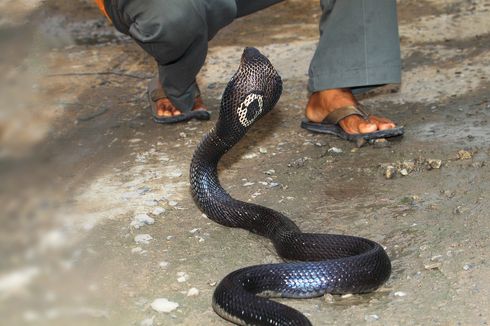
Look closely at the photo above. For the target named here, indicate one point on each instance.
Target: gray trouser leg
(359, 45)
(176, 34)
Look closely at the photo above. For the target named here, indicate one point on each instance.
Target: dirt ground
(97, 218)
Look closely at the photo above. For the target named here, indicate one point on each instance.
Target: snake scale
(320, 263)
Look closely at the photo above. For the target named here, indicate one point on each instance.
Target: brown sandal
(156, 92)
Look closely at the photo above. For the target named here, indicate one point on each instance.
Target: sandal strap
(335, 116)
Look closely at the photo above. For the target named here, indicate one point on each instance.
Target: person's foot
(166, 109)
(322, 103)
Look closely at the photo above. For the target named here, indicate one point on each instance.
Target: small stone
(300, 162)
(464, 155)
(173, 203)
(143, 238)
(390, 172)
(270, 172)
(163, 264)
(404, 172)
(371, 317)
(458, 210)
(136, 250)
(274, 184)
(250, 156)
(346, 296)
(263, 150)
(163, 305)
(141, 220)
(248, 184)
(449, 194)
(434, 164)
(194, 230)
(335, 150)
(468, 267)
(400, 294)
(158, 211)
(193, 292)
(182, 277)
(436, 258)
(430, 266)
(408, 165)
(148, 321)
(329, 298)
(183, 135)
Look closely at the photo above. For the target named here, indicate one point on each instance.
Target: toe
(382, 123)
(176, 112)
(163, 112)
(367, 126)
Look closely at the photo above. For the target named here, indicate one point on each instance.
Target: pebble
(400, 294)
(270, 172)
(464, 155)
(346, 296)
(434, 164)
(250, 156)
(430, 266)
(143, 238)
(300, 162)
(137, 250)
(371, 317)
(335, 150)
(468, 267)
(163, 264)
(141, 220)
(404, 172)
(436, 258)
(390, 172)
(329, 298)
(408, 165)
(182, 277)
(193, 292)
(263, 150)
(147, 321)
(248, 184)
(158, 211)
(163, 305)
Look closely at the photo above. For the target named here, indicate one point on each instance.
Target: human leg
(175, 33)
(358, 50)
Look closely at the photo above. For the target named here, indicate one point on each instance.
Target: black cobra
(330, 263)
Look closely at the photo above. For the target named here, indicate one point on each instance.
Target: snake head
(252, 92)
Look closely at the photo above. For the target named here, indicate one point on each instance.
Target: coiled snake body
(335, 264)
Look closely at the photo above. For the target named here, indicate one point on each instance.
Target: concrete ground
(97, 219)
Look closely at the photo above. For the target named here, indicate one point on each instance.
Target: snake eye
(250, 109)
